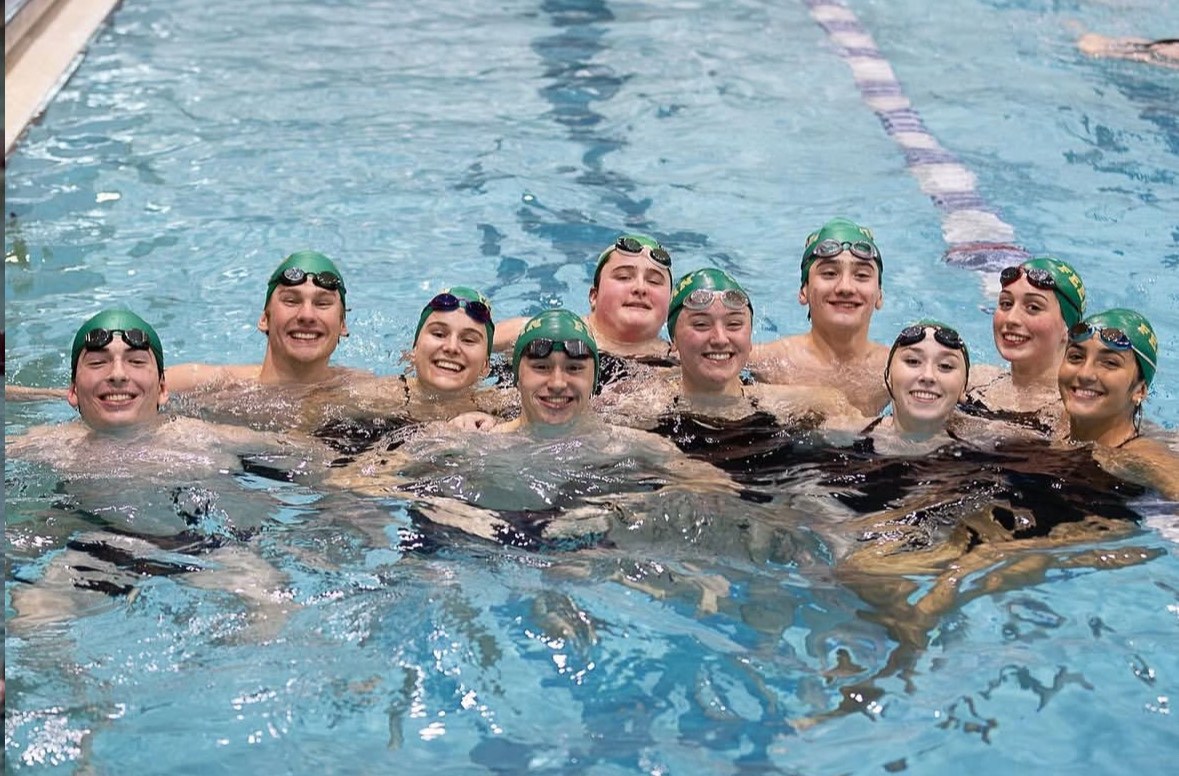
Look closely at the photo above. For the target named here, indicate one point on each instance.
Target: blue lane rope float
(976, 236)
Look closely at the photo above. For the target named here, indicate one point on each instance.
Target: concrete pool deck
(44, 41)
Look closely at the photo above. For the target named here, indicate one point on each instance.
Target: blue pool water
(501, 145)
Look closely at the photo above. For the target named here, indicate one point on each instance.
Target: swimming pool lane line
(975, 234)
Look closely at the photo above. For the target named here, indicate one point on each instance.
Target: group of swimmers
(1071, 377)
(1073, 381)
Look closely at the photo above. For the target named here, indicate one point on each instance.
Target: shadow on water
(578, 74)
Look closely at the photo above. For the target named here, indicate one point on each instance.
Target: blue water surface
(502, 145)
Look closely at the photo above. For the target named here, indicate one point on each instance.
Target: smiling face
(1101, 387)
(842, 292)
(631, 300)
(555, 390)
(303, 324)
(714, 346)
(451, 352)
(117, 387)
(1029, 329)
(926, 380)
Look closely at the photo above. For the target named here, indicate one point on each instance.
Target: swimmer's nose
(118, 373)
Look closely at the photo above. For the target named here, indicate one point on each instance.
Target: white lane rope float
(976, 236)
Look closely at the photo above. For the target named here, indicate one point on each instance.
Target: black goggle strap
(478, 311)
(328, 281)
(543, 348)
(136, 339)
(860, 249)
(1113, 337)
(1038, 277)
(631, 245)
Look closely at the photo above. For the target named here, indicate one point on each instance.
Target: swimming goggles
(444, 303)
(136, 339)
(831, 248)
(1113, 337)
(943, 335)
(1038, 277)
(328, 281)
(543, 348)
(631, 245)
(731, 298)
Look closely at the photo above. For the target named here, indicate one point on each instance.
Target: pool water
(425, 144)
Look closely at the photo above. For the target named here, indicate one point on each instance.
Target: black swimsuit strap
(868, 429)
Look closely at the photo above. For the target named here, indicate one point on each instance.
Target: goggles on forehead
(1113, 337)
(942, 335)
(1038, 277)
(294, 276)
(543, 348)
(478, 311)
(631, 245)
(731, 298)
(861, 249)
(136, 339)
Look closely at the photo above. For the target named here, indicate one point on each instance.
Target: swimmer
(1163, 52)
(118, 387)
(1038, 302)
(556, 361)
(303, 319)
(628, 305)
(926, 375)
(1104, 380)
(841, 286)
(710, 321)
(451, 355)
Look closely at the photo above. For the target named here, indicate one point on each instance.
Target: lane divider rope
(976, 236)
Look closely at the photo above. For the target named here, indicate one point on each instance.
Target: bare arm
(188, 377)
(32, 393)
(506, 333)
(1145, 461)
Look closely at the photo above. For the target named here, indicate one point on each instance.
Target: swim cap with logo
(711, 279)
(556, 325)
(842, 230)
(1140, 333)
(641, 239)
(308, 261)
(466, 294)
(1069, 287)
(115, 320)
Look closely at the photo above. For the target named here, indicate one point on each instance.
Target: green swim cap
(308, 261)
(1070, 290)
(709, 279)
(116, 320)
(1140, 333)
(556, 325)
(644, 241)
(464, 294)
(842, 230)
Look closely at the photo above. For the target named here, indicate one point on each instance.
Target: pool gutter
(44, 41)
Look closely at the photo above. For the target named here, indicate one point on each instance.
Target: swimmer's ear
(879, 299)
(163, 398)
(343, 327)
(593, 298)
(72, 396)
(802, 300)
(264, 323)
(1139, 393)
(486, 368)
